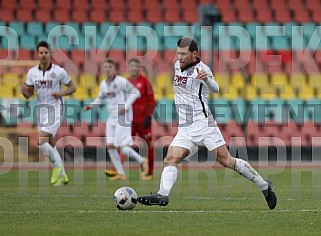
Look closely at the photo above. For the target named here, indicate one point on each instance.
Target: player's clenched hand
(201, 74)
(56, 95)
(87, 107)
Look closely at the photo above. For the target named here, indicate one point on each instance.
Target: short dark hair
(43, 44)
(111, 61)
(134, 59)
(188, 42)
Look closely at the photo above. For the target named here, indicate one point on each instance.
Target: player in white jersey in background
(120, 95)
(47, 79)
(192, 82)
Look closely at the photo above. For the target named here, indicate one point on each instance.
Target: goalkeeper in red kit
(143, 109)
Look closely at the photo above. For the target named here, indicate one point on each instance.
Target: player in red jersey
(143, 109)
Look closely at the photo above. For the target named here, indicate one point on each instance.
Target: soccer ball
(125, 198)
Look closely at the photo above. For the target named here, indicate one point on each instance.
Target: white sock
(247, 171)
(168, 179)
(48, 151)
(130, 152)
(115, 159)
(59, 158)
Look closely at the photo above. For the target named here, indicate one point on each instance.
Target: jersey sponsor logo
(43, 83)
(180, 80)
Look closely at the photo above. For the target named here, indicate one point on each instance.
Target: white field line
(156, 211)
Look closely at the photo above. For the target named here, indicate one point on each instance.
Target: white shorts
(49, 119)
(199, 133)
(117, 134)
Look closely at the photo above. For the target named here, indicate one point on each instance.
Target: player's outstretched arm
(208, 79)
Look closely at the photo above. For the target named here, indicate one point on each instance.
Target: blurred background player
(47, 79)
(192, 82)
(120, 94)
(143, 109)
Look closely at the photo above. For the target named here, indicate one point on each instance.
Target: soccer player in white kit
(120, 95)
(47, 79)
(192, 82)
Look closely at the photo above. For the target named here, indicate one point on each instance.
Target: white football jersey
(116, 92)
(46, 82)
(191, 94)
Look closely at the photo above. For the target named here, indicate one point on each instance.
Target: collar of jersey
(49, 67)
(192, 64)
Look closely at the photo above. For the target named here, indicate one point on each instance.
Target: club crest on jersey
(190, 72)
(53, 75)
(43, 83)
(180, 80)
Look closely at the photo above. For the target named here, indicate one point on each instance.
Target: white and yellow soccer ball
(125, 198)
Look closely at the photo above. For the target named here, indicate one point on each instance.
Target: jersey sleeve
(100, 98)
(29, 80)
(210, 83)
(64, 77)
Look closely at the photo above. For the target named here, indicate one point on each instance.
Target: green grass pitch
(203, 202)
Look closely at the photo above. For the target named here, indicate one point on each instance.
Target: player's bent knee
(170, 160)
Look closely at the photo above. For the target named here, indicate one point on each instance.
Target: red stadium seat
(43, 16)
(172, 16)
(169, 3)
(117, 16)
(47, 5)
(97, 55)
(78, 56)
(24, 15)
(135, 15)
(278, 4)
(60, 56)
(7, 15)
(298, 5)
(117, 55)
(224, 4)
(98, 4)
(246, 16)
(151, 4)
(301, 16)
(98, 15)
(61, 15)
(317, 56)
(286, 55)
(264, 16)
(192, 5)
(205, 1)
(80, 4)
(9, 4)
(261, 5)
(136, 4)
(229, 16)
(190, 16)
(117, 3)
(27, 4)
(24, 54)
(154, 16)
(252, 132)
(282, 16)
(79, 15)
(63, 4)
(316, 16)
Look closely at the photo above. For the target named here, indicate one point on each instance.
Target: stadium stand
(264, 64)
